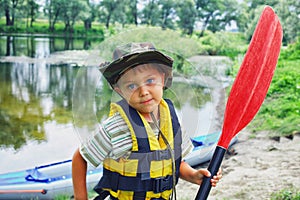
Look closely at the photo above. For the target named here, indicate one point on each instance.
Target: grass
(42, 27)
(286, 194)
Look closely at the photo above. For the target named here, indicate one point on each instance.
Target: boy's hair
(133, 54)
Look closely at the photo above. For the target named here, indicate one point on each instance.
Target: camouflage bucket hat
(130, 55)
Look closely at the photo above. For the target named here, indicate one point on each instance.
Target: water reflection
(41, 47)
(32, 94)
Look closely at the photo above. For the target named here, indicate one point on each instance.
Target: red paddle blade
(254, 77)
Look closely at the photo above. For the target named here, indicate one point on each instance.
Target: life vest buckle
(162, 184)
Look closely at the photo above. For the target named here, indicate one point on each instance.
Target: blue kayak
(43, 182)
(204, 148)
(52, 180)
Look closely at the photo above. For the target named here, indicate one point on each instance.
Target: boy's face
(142, 87)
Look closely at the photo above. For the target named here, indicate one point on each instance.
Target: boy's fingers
(205, 172)
(214, 181)
(219, 172)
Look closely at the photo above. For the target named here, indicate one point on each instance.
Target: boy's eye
(150, 81)
(131, 86)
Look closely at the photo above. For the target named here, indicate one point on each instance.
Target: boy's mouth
(146, 101)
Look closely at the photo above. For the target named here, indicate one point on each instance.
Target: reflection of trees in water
(30, 95)
(20, 120)
(103, 99)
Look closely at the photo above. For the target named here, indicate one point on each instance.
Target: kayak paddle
(249, 88)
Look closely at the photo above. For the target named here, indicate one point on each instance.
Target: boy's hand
(196, 175)
(214, 180)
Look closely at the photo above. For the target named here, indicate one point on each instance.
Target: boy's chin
(147, 111)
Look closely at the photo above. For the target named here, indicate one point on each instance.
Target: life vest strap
(119, 182)
(137, 196)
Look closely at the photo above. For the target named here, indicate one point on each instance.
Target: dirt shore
(260, 167)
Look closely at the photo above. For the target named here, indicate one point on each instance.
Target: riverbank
(255, 167)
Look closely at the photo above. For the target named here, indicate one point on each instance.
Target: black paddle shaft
(213, 167)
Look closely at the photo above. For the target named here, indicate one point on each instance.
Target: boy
(140, 144)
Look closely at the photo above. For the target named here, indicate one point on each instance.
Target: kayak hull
(43, 182)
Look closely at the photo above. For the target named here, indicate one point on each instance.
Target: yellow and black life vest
(147, 172)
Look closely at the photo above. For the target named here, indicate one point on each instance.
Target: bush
(293, 51)
(224, 43)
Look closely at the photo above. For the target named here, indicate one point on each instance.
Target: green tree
(10, 9)
(89, 15)
(253, 4)
(132, 12)
(52, 10)
(187, 13)
(289, 14)
(159, 13)
(72, 11)
(121, 13)
(168, 13)
(107, 9)
(253, 10)
(214, 15)
(150, 13)
(32, 9)
(242, 20)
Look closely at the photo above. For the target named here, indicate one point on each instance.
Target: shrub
(224, 43)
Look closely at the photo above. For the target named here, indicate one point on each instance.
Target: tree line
(189, 16)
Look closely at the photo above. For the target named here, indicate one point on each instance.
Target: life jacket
(147, 172)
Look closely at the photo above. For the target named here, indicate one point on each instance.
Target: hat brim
(115, 69)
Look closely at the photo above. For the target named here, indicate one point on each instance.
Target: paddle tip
(269, 10)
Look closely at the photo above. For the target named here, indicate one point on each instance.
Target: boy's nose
(143, 90)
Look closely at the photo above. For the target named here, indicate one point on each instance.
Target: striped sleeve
(121, 140)
(112, 139)
(187, 145)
